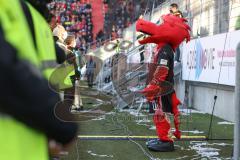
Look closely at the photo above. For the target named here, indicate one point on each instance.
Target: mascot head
(172, 31)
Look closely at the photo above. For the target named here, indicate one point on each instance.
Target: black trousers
(90, 79)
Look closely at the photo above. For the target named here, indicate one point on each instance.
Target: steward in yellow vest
(44, 42)
(45, 46)
(27, 117)
(64, 72)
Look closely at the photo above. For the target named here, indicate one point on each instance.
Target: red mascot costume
(172, 32)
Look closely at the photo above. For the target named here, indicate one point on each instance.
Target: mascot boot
(164, 143)
(163, 134)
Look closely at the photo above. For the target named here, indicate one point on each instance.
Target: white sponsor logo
(163, 62)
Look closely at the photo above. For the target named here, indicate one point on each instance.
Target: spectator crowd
(76, 17)
(120, 14)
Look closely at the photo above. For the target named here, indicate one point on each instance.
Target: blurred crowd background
(111, 17)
